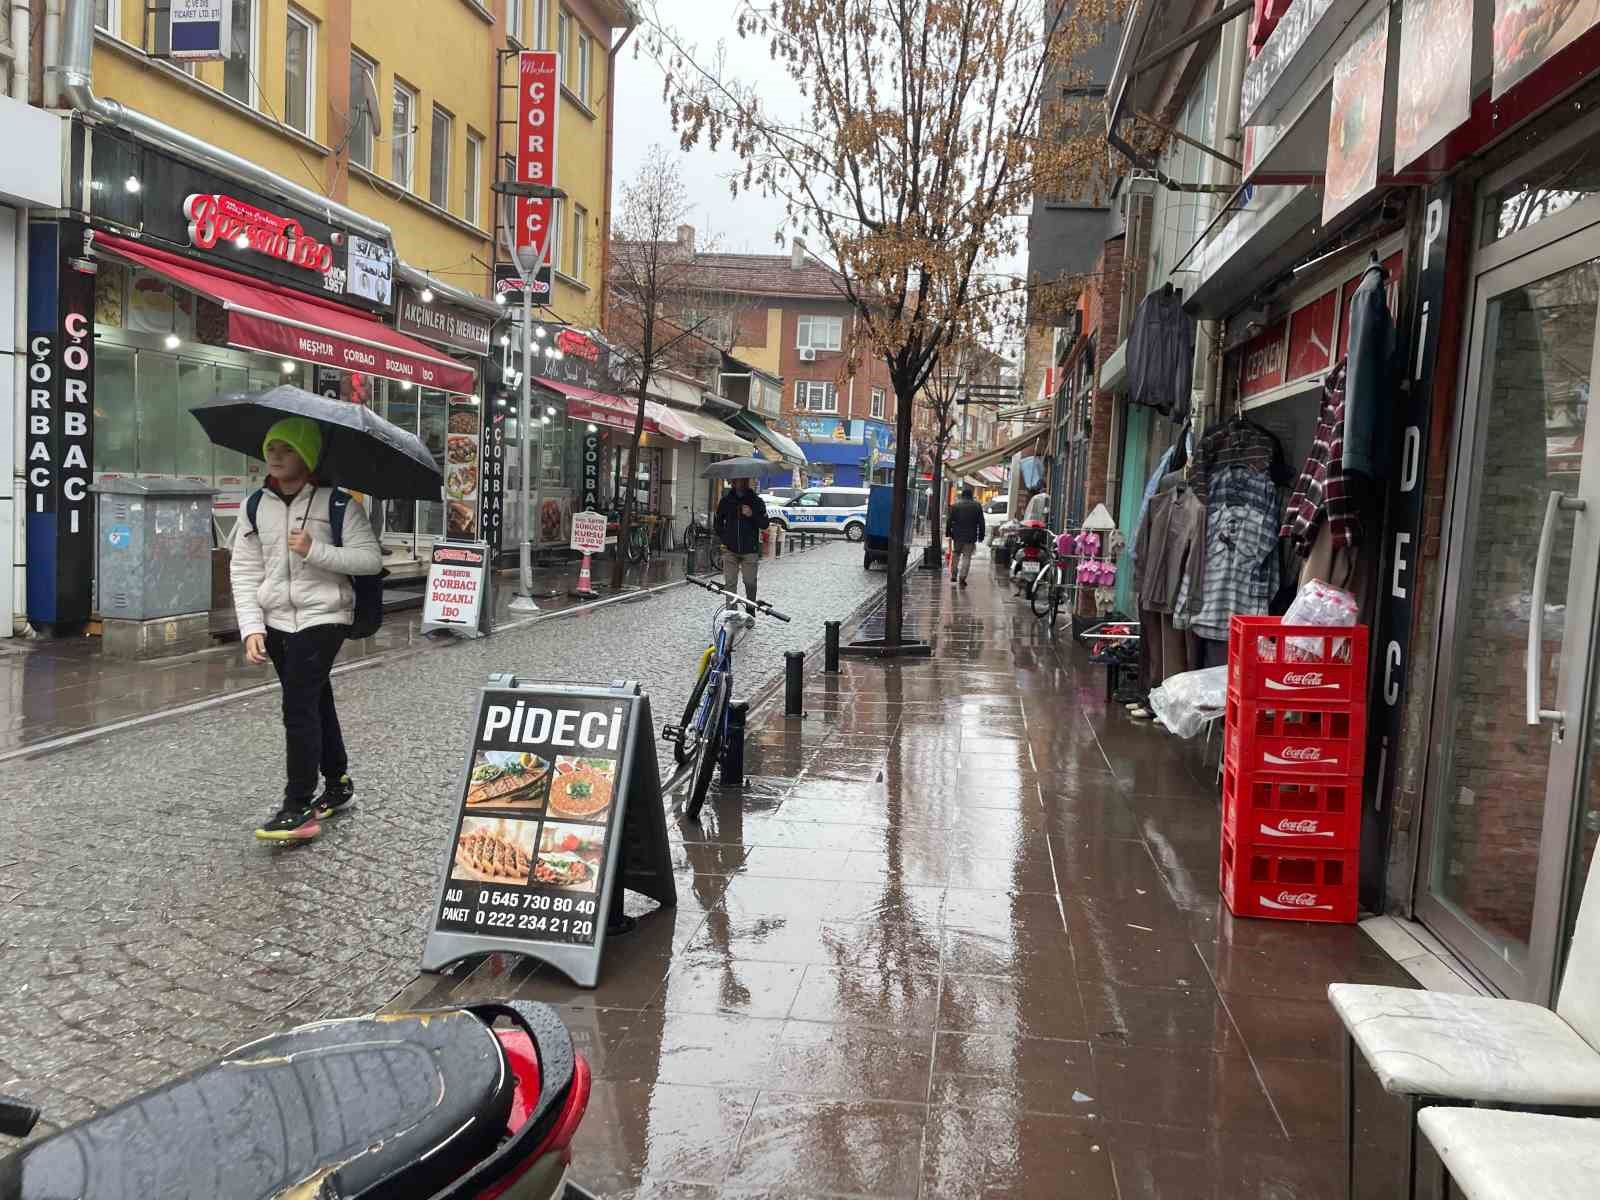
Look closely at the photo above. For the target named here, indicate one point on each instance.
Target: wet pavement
(145, 930)
(52, 689)
(959, 937)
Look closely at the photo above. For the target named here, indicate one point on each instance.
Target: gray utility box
(153, 565)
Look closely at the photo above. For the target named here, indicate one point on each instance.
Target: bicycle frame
(721, 664)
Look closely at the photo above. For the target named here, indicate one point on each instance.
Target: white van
(840, 509)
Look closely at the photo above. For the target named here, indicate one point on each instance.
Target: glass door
(1513, 705)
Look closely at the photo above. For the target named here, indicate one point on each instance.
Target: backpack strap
(338, 503)
(251, 507)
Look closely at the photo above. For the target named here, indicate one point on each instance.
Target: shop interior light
(557, 355)
(173, 341)
(427, 295)
(538, 332)
(288, 367)
(550, 410)
(592, 428)
(501, 402)
(475, 400)
(242, 241)
(405, 385)
(500, 298)
(505, 339)
(132, 185)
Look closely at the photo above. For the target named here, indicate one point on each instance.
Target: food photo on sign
(509, 779)
(1356, 120)
(569, 857)
(1435, 76)
(1529, 33)
(582, 788)
(495, 850)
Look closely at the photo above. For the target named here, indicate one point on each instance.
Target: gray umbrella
(745, 467)
(360, 450)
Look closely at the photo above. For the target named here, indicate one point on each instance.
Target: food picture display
(550, 522)
(1529, 33)
(494, 850)
(569, 857)
(1435, 94)
(1356, 120)
(509, 779)
(582, 788)
(463, 469)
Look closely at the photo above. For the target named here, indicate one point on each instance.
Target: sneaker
(290, 825)
(336, 797)
(963, 583)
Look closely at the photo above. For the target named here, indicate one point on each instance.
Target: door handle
(1541, 578)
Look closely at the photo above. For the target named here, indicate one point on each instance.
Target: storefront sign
(1311, 335)
(333, 350)
(491, 477)
(560, 810)
(1435, 75)
(59, 447)
(588, 532)
(455, 587)
(1263, 361)
(601, 370)
(538, 118)
(446, 324)
(215, 218)
(370, 271)
(1397, 571)
(508, 282)
(1269, 68)
(570, 341)
(1355, 120)
(590, 497)
(201, 29)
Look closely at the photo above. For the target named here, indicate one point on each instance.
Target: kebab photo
(508, 779)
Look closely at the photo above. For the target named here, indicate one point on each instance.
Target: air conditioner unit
(807, 354)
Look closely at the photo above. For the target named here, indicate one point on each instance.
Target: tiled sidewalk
(959, 937)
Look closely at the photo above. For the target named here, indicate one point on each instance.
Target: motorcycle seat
(369, 1107)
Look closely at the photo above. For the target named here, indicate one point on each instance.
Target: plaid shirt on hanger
(1322, 492)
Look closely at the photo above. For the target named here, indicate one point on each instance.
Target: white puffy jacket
(273, 586)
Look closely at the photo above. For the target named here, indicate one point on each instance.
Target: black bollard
(777, 543)
(794, 665)
(732, 763)
(830, 648)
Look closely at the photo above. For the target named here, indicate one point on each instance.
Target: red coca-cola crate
(1310, 664)
(1302, 740)
(1290, 885)
(1291, 812)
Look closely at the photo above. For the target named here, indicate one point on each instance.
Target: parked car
(779, 496)
(839, 509)
(995, 514)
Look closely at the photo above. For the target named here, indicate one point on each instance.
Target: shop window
(228, 465)
(363, 82)
(156, 385)
(819, 333)
(402, 133)
(440, 148)
(299, 73)
(116, 415)
(580, 230)
(197, 383)
(1551, 188)
(877, 403)
(239, 70)
(432, 427)
(401, 406)
(472, 202)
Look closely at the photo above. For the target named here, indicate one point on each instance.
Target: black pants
(310, 722)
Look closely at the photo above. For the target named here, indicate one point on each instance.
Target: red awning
(615, 412)
(276, 320)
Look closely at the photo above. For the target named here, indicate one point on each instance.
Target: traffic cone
(584, 588)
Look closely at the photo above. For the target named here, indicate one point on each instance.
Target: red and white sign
(215, 218)
(610, 411)
(1311, 335)
(333, 350)
(1263, 361)
(579, 345)
(538, 114)
(455, 585)
(589, 532)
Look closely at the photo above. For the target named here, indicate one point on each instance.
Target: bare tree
(921, 141)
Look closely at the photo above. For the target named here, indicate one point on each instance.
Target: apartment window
(877, 403)
(811, 396)
(299, 60)
(514, 20)
(472, 204)
(106, 15)
(563, 45)
(584, 47)
(580, 229)
(363, 82)
(403, 135)
(441, 147)
(239, 70)
(541, 24)
(552, 253)
(819, 333)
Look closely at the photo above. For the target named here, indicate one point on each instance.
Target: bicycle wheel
(710, 749)
(1057, 593)
(1044, 586)
(638, 543)
(684, 750)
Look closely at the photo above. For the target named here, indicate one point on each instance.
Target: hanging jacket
(1161, 354)
(273, 587)
(1369, 378)
(1322, 493)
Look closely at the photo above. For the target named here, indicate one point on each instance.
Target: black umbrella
(743, 468)
(360, 450)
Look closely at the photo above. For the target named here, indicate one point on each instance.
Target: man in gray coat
(964, 528)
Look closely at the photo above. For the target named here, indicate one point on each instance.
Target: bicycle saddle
(376, 1106)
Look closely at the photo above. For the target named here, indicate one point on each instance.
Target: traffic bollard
(777, 544)
(830, 652)
(794, 665)
(733, 745)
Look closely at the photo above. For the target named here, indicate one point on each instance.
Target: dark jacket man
(965, 522)
(740, 533)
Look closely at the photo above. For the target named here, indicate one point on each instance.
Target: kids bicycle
(698, 738)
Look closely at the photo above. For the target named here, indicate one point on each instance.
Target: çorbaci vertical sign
(560, 809)
(538, 116)
(59, 447)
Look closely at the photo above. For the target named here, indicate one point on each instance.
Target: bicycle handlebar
(760, 606)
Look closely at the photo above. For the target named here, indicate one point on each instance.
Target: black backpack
(368, 588)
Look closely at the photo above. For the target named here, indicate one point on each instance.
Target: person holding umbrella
(296, 604)
(741, 516)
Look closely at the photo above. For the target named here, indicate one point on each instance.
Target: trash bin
(153, 566)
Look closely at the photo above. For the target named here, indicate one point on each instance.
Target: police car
(839, 509)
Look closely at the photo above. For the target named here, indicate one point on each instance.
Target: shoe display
(337, 796)
(290, 825)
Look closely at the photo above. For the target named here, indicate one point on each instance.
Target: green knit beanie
(304, 434)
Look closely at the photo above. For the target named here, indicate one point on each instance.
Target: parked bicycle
(1054, 583)
(699, 737)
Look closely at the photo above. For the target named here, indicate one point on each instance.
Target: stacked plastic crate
(1293, 759)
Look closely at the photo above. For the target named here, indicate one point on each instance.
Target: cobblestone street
(147, 930)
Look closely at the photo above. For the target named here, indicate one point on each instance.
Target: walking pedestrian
(964, 528)
(741, 516)
(295, 601)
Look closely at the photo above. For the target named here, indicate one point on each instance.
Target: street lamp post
(523, 600)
